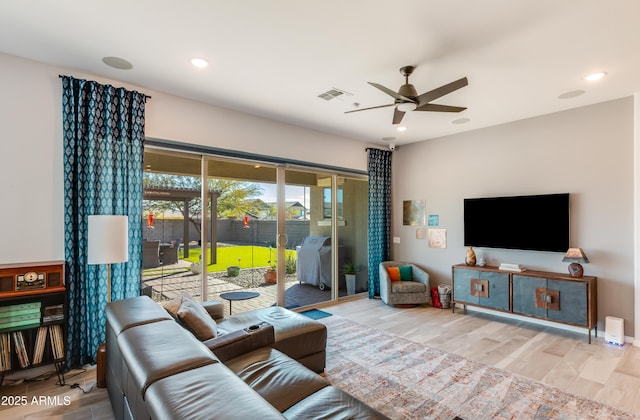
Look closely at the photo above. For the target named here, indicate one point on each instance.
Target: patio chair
(150, 254)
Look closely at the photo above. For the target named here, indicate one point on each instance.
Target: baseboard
(542, 322)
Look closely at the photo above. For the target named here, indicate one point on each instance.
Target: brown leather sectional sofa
(262, 364)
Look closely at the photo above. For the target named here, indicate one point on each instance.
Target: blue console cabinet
(537, 294)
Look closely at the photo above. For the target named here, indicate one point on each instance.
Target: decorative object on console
(518, 268)
(108, 242)
(576, 256)
(471, 257)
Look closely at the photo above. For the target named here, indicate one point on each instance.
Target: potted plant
(196, 268)
(271, 275)
(234, 270)
(349, 270)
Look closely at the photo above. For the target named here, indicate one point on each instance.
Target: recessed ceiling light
(595, 76)
(571, 94)
(402, 128)
(117, 63)
(460, 121)
(199, 63)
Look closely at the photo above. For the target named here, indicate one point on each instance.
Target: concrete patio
(169, 286)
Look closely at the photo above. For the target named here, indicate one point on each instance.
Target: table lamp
(108, 242)
(575, 256)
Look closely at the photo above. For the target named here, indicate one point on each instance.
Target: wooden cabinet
(480, 287)
(538, 294)
(32, 316)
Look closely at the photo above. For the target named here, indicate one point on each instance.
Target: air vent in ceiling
(333, 93)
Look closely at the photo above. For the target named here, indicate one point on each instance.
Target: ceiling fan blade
(391, 93)
(434, 94)
(440, 108)
(366, 109)
(397, 116)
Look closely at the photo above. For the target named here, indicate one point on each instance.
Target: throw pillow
(172, 306)
(196, 319)
(394, 273)
(406, 273)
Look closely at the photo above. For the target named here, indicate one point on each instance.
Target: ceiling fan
(407, 98)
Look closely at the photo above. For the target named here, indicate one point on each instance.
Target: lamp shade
(108, 239)
(576, 255)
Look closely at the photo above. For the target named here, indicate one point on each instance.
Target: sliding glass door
(283, 233)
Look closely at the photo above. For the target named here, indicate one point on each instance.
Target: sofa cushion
(214, 308)
(406, 273)
(132, 312)
(211, 391)
(158, 350)
(408, 287)
(331, 403)
(394, 273)
(276, 377)
(196, 319)
(296, 335)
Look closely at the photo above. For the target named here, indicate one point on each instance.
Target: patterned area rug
(407, 380)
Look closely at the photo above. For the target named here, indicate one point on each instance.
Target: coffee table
(231, 296)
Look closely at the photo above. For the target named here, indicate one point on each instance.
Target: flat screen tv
(531, 222)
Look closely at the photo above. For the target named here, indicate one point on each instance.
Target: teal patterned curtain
(379, 228)
(103, 130)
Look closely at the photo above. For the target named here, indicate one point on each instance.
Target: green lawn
(244, 256)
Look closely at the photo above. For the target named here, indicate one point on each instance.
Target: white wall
(587, 152)
(31, 174)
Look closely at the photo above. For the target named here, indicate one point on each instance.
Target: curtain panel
(103, 136)
(379, 224)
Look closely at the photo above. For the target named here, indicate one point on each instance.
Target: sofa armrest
(385, 282)
(420, 275)
(214, 308)
(236, 343)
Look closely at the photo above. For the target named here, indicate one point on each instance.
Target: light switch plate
(396, 239)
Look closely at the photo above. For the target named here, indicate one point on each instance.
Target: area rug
(315, 314)
(407, 380)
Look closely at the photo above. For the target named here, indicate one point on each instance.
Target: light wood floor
(564, 359)
(600, 371)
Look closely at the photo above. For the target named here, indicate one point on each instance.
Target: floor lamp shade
(108, 242)
(108, 239)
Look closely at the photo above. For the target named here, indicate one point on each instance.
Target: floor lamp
(108, 239)
(108, 243)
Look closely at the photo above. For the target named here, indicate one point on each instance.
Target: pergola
(186, 195)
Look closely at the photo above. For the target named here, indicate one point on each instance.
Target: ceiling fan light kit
(407, 98)
(406, 106)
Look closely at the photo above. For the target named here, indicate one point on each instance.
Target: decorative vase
(471, 257)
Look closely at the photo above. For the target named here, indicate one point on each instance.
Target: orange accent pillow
(394, 273)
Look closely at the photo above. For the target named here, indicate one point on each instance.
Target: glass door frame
(281, 239)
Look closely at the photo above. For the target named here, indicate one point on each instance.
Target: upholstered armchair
(414, 289)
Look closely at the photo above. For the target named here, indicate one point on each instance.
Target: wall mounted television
(530, 222)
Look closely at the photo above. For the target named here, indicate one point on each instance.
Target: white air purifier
(614, 330)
